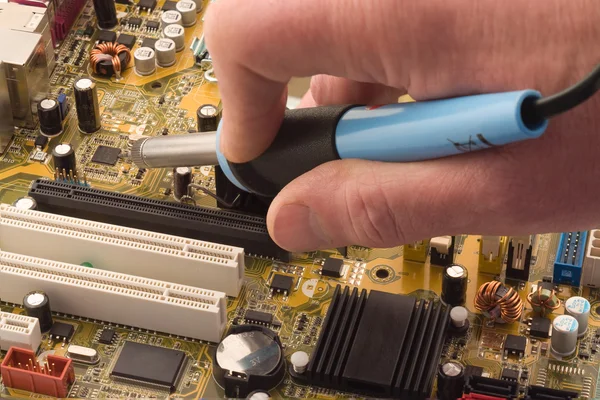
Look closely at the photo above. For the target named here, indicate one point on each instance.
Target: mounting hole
(156, 85)
(382, 273)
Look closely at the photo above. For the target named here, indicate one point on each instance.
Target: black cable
(558, 103)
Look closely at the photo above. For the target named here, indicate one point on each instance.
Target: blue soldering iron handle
(393, 133)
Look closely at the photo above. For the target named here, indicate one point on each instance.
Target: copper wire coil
(109, 52)
(510, 305)
(536, 302)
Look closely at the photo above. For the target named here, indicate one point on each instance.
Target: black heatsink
(380, 344)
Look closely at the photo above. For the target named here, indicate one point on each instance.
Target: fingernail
(297, 228)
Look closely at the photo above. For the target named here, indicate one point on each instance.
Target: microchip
(106, 155)
(126, 40)
(282, 283)
(515, 345)
(169, 5)
(41, 141)
(540, 327)
(258, 317)
(510, 375)
(135, 22)
(147, 4)
(89, 30)
(333, 267)
(472, 370)
(107, 336)
(149, 42)
(106, 36)
(152, 24)
(62, 331)
(155, 366)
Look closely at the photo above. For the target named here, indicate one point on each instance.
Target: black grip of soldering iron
(305, 140)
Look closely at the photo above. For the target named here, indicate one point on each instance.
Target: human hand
(371, 52)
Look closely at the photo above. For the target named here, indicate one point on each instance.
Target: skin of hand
(370, 52)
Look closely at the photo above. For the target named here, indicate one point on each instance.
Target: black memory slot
(195, 222)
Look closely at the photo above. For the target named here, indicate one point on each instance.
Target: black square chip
(106, 155)
(540, 327)
(106, 36)
(258, 317)
(135, 22)
(282, 283)
(107, 336)
(515, 345)
(127, 40)
(149, 42)
(510, 375)
(333, 267)
(156, 366)
(152, 24)
(148, 5)
(169, 5)
(62, 331)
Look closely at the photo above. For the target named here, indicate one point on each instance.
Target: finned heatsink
(119, 249)
(114, 297)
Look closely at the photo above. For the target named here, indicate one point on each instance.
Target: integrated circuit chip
(147, 4)
(333, 267)
(169, 5)
(106, 36)
(258, 317)
(106, 154)
(62, 331)
(515, 345)
(510, 375)
(135, 22)
(540, 327)
(152, 24)
(282, 283)
(155, 366)
(126, 40)
(107, 336)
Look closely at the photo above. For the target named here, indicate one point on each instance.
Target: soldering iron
(400, 132)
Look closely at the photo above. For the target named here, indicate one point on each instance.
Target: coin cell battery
(176, 33)
(145, 61)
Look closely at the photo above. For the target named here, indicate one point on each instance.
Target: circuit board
(132, 106)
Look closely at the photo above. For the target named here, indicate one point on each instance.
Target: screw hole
(156, 85)
(382, 273)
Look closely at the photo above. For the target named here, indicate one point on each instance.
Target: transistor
(147, 5)
(106, 36)
(282, 284)
(126, 40)
(62, 331)
(515, 345)
(333, 267)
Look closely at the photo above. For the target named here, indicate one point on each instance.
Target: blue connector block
(569, 258)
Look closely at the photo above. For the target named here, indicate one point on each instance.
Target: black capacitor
(208, 118)
(454, 284)
(182, 177)
(86, 103)
(50, 117)
(37, 304)
(450, 381)
(64, 159)
(106, 13)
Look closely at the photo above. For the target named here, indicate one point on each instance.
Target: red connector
(473, 396)
(21, 370)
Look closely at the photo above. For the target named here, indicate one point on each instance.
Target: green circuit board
(168, 99)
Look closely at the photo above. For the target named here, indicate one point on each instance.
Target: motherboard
(122, 282)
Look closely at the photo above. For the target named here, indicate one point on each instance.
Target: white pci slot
(20, 331)
(119, 249)
(115, 297)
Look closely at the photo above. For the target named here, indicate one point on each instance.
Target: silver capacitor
(145, 61)
(176, 33)
(199, 5)
(564, 335)
(187, 9)
(165, 52)
(170, 17)
(579, 308)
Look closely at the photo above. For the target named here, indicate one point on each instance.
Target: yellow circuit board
(134, 105)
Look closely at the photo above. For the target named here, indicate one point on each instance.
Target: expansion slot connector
(114, 297)
(125, 250)
(19, 330)
(202, 223)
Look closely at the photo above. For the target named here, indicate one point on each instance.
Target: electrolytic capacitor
(208, 118)
(64, 160)
(165, 52)
(454, 284)
(170, 17)
(450, 381)
(459, 319)
(564, 335)
(176, 33)
(182, 177)
(86, 103)
(106, 13)
(187, 9)
(579, 308)
(144, 60)
(37, 304)
(48, 111)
